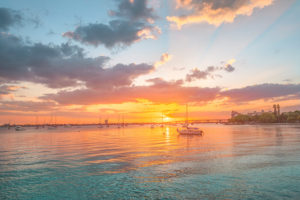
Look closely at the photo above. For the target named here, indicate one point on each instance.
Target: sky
(84, 61)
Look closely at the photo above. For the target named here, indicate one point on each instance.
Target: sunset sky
(81, 60)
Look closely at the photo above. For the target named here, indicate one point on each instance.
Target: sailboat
(100, 124)
(52, 126)
(19, 128)
(162, 120)
(118, 125)
(186, 129)
(123, 122)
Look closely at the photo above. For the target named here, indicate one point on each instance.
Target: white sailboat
(19, 128)
(186, 129)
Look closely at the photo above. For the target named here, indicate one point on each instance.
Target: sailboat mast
(186, 114)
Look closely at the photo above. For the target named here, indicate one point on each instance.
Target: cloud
(134, 10)
(27, 106)
(133, 23)
(59, 66)
(215, 12)
(197, 74)
(9, 17)
(262, 91)
(116, 33)
(229, 68)
(7, 89)
(160, 91)
(165, 57)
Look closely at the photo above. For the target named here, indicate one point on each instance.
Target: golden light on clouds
(215, 16)
(165, 57)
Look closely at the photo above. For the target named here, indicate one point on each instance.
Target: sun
(167, 119)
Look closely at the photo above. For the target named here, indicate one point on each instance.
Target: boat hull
(190, 132)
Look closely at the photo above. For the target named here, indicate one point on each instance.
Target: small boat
(186, 130)
(152, 126)
(162, 120)
(19, 128)
(100, 123)
(51, 127)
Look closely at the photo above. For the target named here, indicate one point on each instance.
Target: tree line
(268, 117)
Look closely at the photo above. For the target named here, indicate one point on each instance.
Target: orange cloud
(160, 91)
(215, 12)
(149, 33)
(165, 57)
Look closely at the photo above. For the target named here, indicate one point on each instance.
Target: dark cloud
(9, 17)
(134, 10)
(229, 68)
(132, 23)
(159, 91)
(116, 33)
(262, 91)
(197, 74)
(59, 66)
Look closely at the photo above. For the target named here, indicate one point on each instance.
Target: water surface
(137, 162)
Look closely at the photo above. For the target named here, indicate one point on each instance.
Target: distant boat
(119, 124)
(67, 126)
(152, 126)
(186, 130)
(51, 127)
(162, 120)
(100, 124)
(19, 128)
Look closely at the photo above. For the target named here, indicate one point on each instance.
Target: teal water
(136, 162)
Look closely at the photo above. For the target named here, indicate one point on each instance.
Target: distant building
(257, 113)
(276, 111)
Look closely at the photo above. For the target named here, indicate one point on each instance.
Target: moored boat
(189, 131)
(19, 128)
(186, 129)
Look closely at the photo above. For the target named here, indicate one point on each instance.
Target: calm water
(228, 162)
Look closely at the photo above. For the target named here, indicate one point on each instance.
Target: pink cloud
(159, 91)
